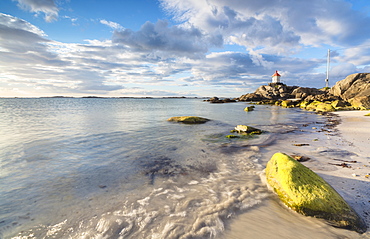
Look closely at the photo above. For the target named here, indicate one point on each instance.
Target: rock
(244, 129)
(249, 108)
(232, 136)
(339, 103)
(307, 193)
(287, 103)
(275, 91)
(189, 119)
(250, 97)
(218, 100)
(355, 89)
(228, 100)
(303, 92)
(360, 102)
(304, 104)
(300, 158)
(319, 106)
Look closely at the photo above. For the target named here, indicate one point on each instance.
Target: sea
(116, 168)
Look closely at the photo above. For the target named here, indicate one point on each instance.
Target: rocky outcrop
(307, 193)
(218, 100)
(279, 91)
(251, 97)
(188, 119)
(275, 91)
(352, 93)
(354, 89)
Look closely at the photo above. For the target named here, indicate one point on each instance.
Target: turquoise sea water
(115, 168)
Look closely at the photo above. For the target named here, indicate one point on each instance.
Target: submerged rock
(244, 129)
(232, 136)
(189, 119)
(307, 193)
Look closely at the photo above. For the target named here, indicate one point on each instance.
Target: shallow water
(115, 168)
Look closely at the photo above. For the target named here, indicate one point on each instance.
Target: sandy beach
(338, 150)
(341, 155)
(354, 182)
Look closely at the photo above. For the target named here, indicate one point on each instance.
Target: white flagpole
(327, 69)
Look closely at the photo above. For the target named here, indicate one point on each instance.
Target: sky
(173, 48)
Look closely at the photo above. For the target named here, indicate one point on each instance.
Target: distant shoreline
(102, 97)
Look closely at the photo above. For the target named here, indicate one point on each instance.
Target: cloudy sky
(177, 47)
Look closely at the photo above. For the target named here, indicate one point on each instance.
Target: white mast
(327, 69)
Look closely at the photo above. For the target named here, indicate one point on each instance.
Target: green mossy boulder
(307, 193)
(303, 104)
(249, 108)
(319, 106)
(287, 103)
(188, 119)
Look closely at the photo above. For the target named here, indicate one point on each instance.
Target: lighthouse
(276, 77)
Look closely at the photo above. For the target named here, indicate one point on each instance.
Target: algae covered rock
(287, 103)
(307, 193)
(319, 106)
(244, 129)
(188, 119)
(249, 108)
(232, 136)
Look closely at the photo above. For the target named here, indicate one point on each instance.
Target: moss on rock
(189, 119)
(232, 136)
(307, 193)
(287, 104)
(319, 106)
(244, 129)
(303, 104)
(249, 108)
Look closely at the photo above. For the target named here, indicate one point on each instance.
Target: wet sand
(340, 153)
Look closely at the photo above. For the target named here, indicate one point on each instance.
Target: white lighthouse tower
(276, 77)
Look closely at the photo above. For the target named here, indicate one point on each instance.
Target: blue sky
(177, 47)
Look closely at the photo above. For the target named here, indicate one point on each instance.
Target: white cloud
(164, 41)
(273, 26)
(113, 25)
(48, 7)
(159, 57)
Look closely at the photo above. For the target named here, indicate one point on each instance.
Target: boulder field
(305, 192)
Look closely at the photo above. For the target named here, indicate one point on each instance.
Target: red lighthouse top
(276, 74)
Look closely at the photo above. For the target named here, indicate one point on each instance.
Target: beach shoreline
(341, 155)
(354, 181)
(337, 152)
